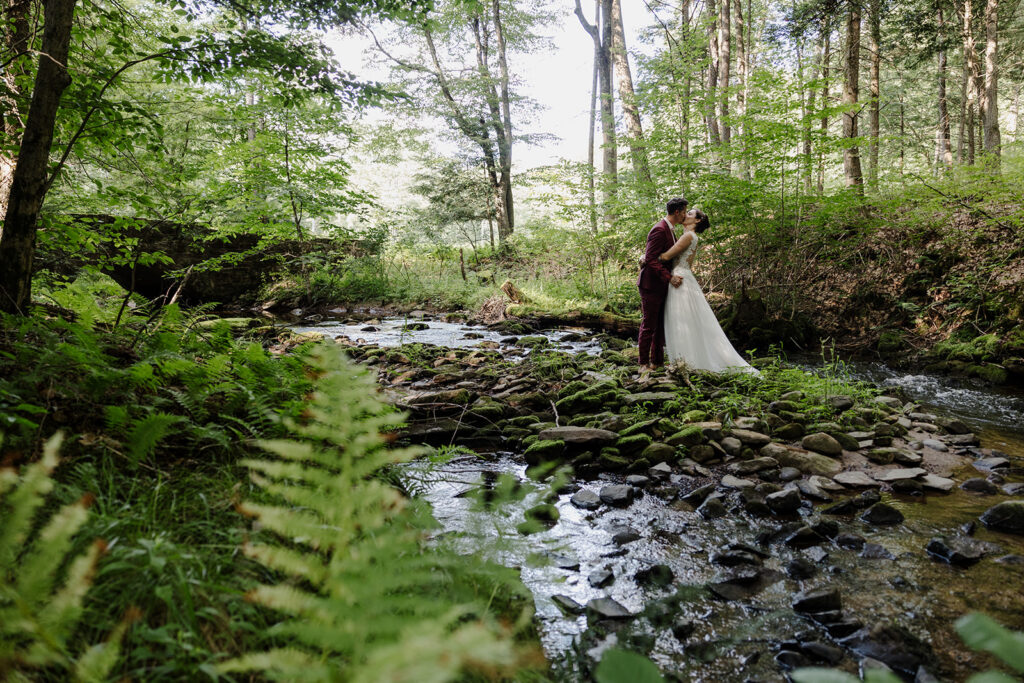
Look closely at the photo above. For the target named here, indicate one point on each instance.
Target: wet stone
(822, 652)
(875, 551)
(683, 629)
(937, 483)
(979, 485)
(712, 508)
(901, 473)
(850, 541)
(1015, 560)
(655, 575)
(936, 445)
(961, 551)
(660, 471)
(789, 660)
(800, 569)
(731, 445)
(567, 604)
(624, 535)
(600, 578)
(638, 480)
(789, 474)
(617, 495)
(804, 537)
(784, 502)
(962, 440)
(585, 499)
(881, 514)
(606, 608)
(744, 583)
(816, 555)
(735, 558)
(988, 464)
(563, 562)
(811, 488)
(731, 482)
(698, 495)
(817, 600)
(1014, 489)
(892, 645)
(1007, 516)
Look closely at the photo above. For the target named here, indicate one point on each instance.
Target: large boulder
(580, 436)
(1007, 516)
(805, 461)
(821, 442)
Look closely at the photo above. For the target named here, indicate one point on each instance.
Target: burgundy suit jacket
(654, 274)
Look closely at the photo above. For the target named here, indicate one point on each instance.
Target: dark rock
(599, 578)
(850, 541)
(881, 514)
(624, 535)
(817, 600)
(735, 558)
(979, 485)
(791, 431)
(789, 474)
(744, 584)
(655, 575)
(585, 499)
(822, 652)
(638, 481)
(712, 508)
(789, 660)
(683, 629)
(843, 507)
(868, 498)
(567, 604)
(702, 453)
(580, 436)
(893, 645)
(606, 608)
(804, 537)
(843, 626)
(1007, 516)
(783, 502)
(800, 569)
(961, 551)
(617, 495)
(698, 495)
(1016, 560)
(753, 465)
(826, 527)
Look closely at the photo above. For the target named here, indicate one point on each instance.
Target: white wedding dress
(692, 333)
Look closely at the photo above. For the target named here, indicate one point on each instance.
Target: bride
(692, 333)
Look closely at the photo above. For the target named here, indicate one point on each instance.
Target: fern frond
(282, 664)
(24, 500)
(147, 432)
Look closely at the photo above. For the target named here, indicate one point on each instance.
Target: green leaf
(980, 632)
(992, 677)
(621, 666)
(819, 675)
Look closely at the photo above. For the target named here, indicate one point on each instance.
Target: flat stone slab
(937, 483)
(935, 444)
(567, 604)
(579, 436)
(750, 438)
(855, 478)
(900, 474)
(650, 397)
(606, 608)
(731, 482)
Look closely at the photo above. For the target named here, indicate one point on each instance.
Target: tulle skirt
(693, 335)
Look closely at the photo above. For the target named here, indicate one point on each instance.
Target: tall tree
(14, 51)
(851, 90)
(29, 181)
(600, 32)
(970, 84)
(826, 56)
(943, 150)
(711, 86)
(634, 127)
(874, 106)
(724, 59)
(741, 92)
(991, 108)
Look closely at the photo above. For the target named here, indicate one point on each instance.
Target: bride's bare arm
(676, 249)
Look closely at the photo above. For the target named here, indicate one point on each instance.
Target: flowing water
(730, 640)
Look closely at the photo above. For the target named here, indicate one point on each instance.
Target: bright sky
(559, 80)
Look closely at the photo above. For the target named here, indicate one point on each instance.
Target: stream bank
(729, 528)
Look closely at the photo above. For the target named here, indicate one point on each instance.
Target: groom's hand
(676, 280)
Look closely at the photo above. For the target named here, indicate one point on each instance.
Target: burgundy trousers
(652, 327)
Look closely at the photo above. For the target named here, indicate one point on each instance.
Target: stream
(691, 633)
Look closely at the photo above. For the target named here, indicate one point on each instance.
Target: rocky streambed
(730, 528)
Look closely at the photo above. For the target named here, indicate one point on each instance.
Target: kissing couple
(675, 313)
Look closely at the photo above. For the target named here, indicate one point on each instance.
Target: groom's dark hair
(675, 204)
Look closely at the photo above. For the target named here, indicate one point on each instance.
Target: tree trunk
(505, 138)
(741, 92)
(724, 59)
(591, 169)
(970, 77)
(634, 129)
(684, 143)
(826, 55)
(943, 151)
(992, 81)
(602, 48)
(851, 90)
(15, 40)
(711, 88)
(29, 184)
(807, 106)
(875, 40)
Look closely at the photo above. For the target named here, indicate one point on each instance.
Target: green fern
(367, 600)
(147, 432)
(40, 606)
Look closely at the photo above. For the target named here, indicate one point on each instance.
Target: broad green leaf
(622, 666)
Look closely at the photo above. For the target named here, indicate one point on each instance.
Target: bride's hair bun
(703, 223)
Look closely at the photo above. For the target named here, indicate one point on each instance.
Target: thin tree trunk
(741, 92)
(992, 81)
(961, 144)
(296, 216)
(875, 41)
(807, 105)
(591, 170)
(971, 81)
(687, 83)
(602, 46)
(826, 55)
(15, 41)
(634, 128)
(711, 88)
(724, 59)
(943, 151)
(29, 184)
(851, 91)
(505, 139)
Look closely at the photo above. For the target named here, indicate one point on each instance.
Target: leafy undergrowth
(158, 415)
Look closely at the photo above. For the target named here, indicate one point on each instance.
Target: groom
(653, 283)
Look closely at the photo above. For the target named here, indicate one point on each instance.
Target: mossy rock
(572, 388)
(517, 434)
(701, 453)
(488, 411)
(890, 341)
(630, 445)
(544, 450)
(615, 343)
(533, 342)
(790, 432)
(580, 402)
(530, 440)
(688, 436)
(640, 465)
(523, 420)
(615, 357)
(693, 416)
(612, 463)
(845, 440)
(990, 372)
(641, 427)
(789, 417)
(658, 452)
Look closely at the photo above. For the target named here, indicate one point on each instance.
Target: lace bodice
(682, 264)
